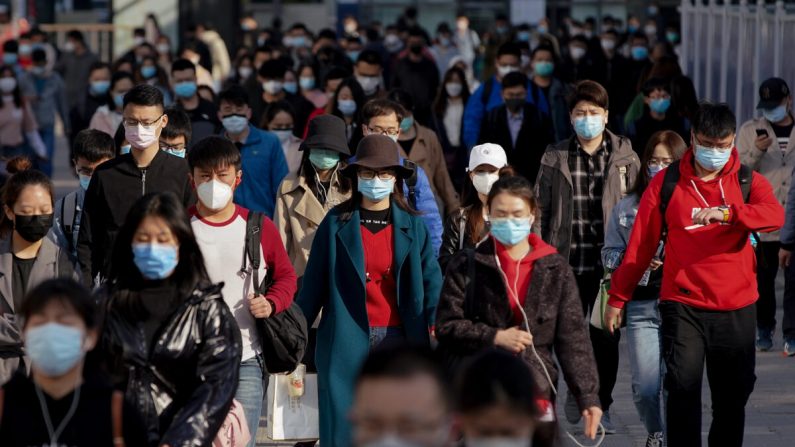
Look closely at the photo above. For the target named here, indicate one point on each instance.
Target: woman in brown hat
(374, 273)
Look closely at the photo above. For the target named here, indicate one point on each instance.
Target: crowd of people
(459, 218)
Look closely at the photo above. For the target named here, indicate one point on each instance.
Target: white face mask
(244, 72)
(283, 136)
(453, 88)
(214, 194)
(577, 52)
(498, 442)
(369, 83)
(483, 181)
(272, 87)
(7, 85)
(504, 70)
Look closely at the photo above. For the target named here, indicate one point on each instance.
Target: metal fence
(729, 48)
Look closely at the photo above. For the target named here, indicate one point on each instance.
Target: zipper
(143, 182)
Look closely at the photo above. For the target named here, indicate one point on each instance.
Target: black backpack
(283, 336)
(411, 182)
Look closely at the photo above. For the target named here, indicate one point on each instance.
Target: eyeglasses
(128, 122)
(369, 174)
(710, 146)
(661, 162)
(168, 147)
(381, 131)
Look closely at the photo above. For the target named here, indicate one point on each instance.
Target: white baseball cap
(487, 154)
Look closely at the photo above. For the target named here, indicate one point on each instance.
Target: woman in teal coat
(373, 272)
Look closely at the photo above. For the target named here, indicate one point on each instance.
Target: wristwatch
(726, 213)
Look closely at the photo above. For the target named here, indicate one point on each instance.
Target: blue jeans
(250, 391)
(48, 137)
(386, 336)
(645, 361)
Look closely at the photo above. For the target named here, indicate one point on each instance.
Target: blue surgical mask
(10, 59)
(118, 100)
(660, 105)
(38, 70)
(234, 124)
(54, 348)
(155, 261)
(775, 115)
(654, 170)
(148, 71)
(185, 89)
(290, 87)
(125, 149)
(672, 37)
(589, 127)
(376, 189)
(347, 106)
(306, 83)
(99, 88)
(510, 231)
(323, 159)
(353, 55)
(543, 68)
(177, 152)
(406, 124)
(84, 181)
(523, 36)
(640, 53)
(712, 159)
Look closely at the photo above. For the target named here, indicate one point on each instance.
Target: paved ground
(770, 413)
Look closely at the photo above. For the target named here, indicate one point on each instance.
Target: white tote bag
(292, 418)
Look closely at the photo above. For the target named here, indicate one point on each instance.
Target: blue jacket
(336, 266)
(264, 167)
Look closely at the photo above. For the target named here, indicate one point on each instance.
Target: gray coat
(554, 188)
(51, 262)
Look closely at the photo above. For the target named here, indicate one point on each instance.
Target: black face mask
(32, 228)
(416, 49)
(514, 104)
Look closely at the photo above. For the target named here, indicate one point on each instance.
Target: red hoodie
(508, 266)
(712, 267)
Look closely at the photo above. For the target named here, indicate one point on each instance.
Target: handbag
(234, 432)
(600, 302)
(292, 414)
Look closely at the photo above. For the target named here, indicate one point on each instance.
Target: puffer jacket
(183, 385)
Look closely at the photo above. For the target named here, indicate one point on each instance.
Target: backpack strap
(69, 216)
(116, 406)
(746, 177)
(411, 182)
(253, 252)
(669, 184)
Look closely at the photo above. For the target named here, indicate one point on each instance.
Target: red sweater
(381, 287)
(712, 267)
(509, 267)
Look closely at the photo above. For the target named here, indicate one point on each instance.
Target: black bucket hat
(378, 152)
(326, 132)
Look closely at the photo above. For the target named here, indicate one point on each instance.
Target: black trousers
(605, 346)
(766, 270)
(725, 340)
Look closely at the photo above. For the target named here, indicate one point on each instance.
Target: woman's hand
(259, 306)
(591, 418)
(514, 339)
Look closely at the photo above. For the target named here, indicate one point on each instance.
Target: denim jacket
(617, 233)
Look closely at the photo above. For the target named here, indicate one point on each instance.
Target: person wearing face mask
(203, 114)
(466, 40)
(271, 77)
(280, 119)
(74, 65)
(347, 104)
(192, 51)
(497, 402)
(149, 72)
(468, 227)
(443, 49)
(580, 181)
(91, 148)
(96, 96)
(368, 70)
(175, 138)
(11, 56)
(307, 194)
(107, 118)
(709, 284)
(118, 183)
(17, 122)
(374, 273)
(310, 86)
(548, 92)
(613, 70)
(579, 63)
(657, 114)
(448, 118)
(518, 127)
(66, 400)
(417, 74)
(162, 306)
(243, 70)
(402, 399)
(45, 92)
(642, 313)
(27, 257)
(264, 165)
(767, 144)
(515, 292)
(221, 231)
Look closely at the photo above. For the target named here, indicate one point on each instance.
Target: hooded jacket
(552, 305)
(712, 267)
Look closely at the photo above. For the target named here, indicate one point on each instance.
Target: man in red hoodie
(709, 279)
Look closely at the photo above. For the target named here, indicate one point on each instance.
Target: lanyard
(55, 434)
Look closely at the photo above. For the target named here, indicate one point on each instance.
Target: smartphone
(760, 132)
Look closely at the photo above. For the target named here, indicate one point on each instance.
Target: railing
(729, 49)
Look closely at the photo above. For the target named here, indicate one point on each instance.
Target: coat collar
(307, 205)
(43, 268)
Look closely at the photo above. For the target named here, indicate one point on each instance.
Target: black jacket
(421, 80)
(114, 188)
(453, 239)
(184, 383)
(534, 137)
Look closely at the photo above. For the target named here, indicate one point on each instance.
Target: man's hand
(514, 339)
(259, 306)
(784, 257)
(763, 142)
(591, 418)
(708, 216)
(612, 319)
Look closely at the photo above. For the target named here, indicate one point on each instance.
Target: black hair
(235, 95)
(714, 120)
(416, 31)
(119, 137)
(380, 107)
(327, 33)
(406, 362)
(335, 72)
(263, 49)
(514, 79)
(114, 79)
(39, 55)
(612, 33)
(144, 95)
(76, 35)
(371, 57)
(358, 97)
(99, 65)
(65, 291)
(589, 91)
(190, 271)
(540, 48)
(93, 145)
(17, 94)
(178, 125)
(638, 35)
(182, 64)
(214, 152)
(440, 103)
(403, 98)
(273, 109)
(509, 48)
(579, 38)
(668, 138)
(655, 84)
(272, 69)
(311, 67)
(497, 378)
(10, 46)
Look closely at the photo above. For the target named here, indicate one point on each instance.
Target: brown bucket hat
(378, 152)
